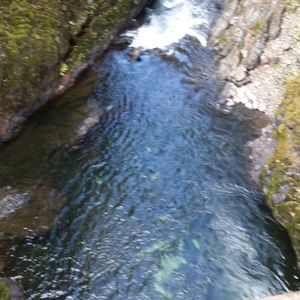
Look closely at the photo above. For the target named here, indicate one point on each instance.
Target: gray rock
(255, 52)
(229, 63)
(283, 189)
(16, 292)
(223, 22)
(239, 74)
(92, 114)
(273, 60)
(249, 94)
(135, 54)
(234, 21)
(12, 202)
(285, 46)
(278, 198)
(261, 150)
(229, 91)
(264, 59)
(276, 19)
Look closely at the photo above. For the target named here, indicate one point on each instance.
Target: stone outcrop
(258, 48)
(44, 45)
(280, 177)
(10, 290)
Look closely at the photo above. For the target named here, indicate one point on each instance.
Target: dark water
(160, 205)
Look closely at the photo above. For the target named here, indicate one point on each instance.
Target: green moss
(33, 36)
(281, 128)
(278, 66)
(292, 109)
(35, 39)
(43, 40)
(259, 26)
(105, 16)
(291, 5)
(64, 69)
(282, 173)
(4, 292)
(225, 38)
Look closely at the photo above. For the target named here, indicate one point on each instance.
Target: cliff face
(281, 175)
(44, 45)
(258, 47)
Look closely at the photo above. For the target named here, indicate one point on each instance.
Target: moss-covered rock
(44, 45)
(10, 290)
(281, 176)
(3, 292)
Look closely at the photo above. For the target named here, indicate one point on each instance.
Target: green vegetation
(292, 109)
(34, 37)
(225, 38)
(4, 292)
(64, 69)
(291, 5)
(259, 26)
(43, 40)
(104, 16)
(278, 66)
(282, 173)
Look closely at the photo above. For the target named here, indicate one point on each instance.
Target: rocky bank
(45, 45)
(258, 49)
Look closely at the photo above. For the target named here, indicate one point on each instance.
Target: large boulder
(44, 45)
(27, 211)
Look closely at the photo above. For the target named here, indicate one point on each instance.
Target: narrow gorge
(149, 158)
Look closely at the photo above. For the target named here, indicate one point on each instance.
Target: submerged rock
(27, 211)
(10, 290)
(135, 54)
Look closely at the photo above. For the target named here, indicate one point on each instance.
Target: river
(159, 201)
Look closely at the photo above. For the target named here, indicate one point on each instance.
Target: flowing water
(159, 202)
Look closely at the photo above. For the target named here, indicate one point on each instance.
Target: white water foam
(171, 21)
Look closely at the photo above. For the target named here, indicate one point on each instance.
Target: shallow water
(160, 205)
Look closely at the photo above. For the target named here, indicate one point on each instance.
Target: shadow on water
(159, 202)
